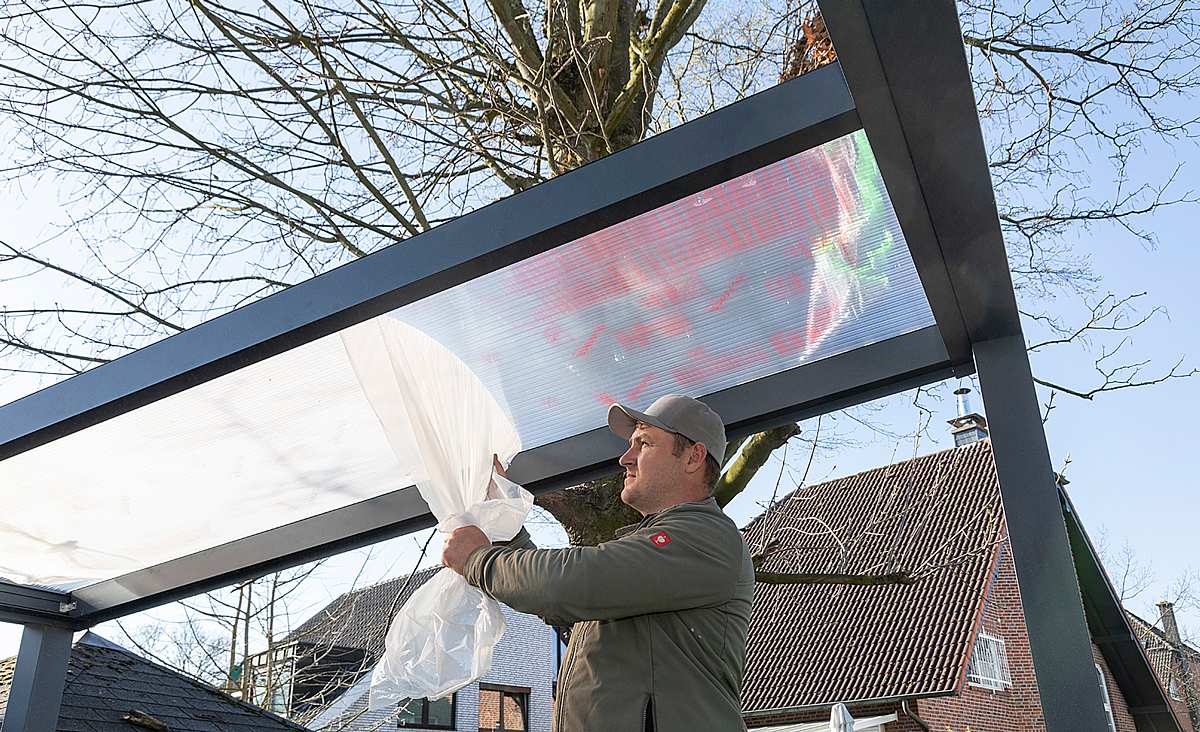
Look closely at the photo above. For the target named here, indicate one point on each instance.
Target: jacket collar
(706, 504)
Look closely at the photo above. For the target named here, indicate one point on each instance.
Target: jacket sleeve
(696, 565)
(521, 541)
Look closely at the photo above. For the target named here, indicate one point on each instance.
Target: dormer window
(988, 667)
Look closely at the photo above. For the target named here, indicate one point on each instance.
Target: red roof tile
(937, 517)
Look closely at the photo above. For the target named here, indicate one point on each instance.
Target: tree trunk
(590, 513)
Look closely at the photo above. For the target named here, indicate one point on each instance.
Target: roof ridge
(350, 599)
(867, 471)
(1160, 633)
(376, 585)
(203, 686)
(913, 459)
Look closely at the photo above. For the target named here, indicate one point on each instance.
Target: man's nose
(627, 459)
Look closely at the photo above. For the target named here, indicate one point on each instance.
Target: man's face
(653, 474)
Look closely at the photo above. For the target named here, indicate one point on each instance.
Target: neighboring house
(949, 652)
(110, 688)
(321, 672)
(1176, 664)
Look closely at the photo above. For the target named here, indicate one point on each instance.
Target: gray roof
(360, 618)
(106, 682)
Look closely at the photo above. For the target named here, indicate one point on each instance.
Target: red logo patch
(660, 539)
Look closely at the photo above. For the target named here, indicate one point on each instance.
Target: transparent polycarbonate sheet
(795, 262)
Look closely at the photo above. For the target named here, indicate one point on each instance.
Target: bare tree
(219, 152)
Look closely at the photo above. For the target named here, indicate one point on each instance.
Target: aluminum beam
(923, 59)
(1058, 633)
(38, 679)
(25, 604)
(861, 62)
(867, 373)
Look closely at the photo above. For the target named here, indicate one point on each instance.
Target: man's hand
(459, 546)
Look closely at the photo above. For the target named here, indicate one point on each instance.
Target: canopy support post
(38, 679)
(1058, 634)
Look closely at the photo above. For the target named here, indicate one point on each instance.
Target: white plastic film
(276, 441)
(437, 414)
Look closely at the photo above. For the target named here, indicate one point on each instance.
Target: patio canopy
(779, 257)
(831, 240)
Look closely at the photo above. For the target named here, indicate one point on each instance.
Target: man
(660, 613)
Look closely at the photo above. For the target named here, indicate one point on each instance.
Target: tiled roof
(106, 682)
(938, 514)
(1160, 651)
(360, 618)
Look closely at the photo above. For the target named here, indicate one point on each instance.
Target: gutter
(913, 716)
(902, 698)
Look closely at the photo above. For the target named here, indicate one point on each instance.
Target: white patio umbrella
(840, 719)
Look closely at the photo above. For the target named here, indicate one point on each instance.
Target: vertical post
(1058, 634)
(38, 679)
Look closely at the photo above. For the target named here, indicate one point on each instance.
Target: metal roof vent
(968, 426)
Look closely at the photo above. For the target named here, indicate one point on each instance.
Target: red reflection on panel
(785, 264)
(591, 341)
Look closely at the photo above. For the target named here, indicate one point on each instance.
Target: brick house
(321, 672)
(948, 652)
(1175, 663)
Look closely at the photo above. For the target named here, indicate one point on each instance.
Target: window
(503, 708)
(988, 667)
(1173, 689)
(426, 714)
(1112, 723)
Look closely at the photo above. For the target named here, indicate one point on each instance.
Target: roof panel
(794, 262)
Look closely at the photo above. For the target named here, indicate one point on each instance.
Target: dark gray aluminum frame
(902, 78)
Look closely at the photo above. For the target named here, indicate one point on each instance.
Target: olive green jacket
(660, 617)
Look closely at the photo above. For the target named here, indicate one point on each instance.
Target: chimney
(1166, 613)
(968, 426)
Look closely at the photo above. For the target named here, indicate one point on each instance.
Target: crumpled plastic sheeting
(438, 415)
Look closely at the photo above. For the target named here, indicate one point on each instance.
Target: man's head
(675, 449)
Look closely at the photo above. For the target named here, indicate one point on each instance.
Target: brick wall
(1120, 708)
(1019, 708)
(1176, 665)
(1172, 668)
(524, 657)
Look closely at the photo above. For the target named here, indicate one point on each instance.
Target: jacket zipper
(566, 674)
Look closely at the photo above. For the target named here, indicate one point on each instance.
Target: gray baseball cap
(674, 413)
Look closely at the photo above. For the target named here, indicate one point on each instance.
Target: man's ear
(696, 457)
